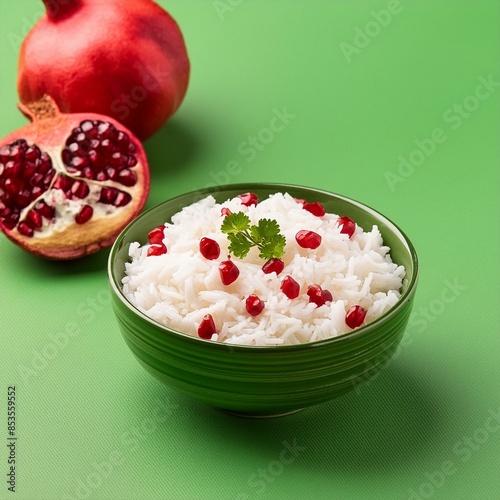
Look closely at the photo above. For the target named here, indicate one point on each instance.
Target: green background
(92, 424)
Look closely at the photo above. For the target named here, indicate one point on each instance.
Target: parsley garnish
(242, 236)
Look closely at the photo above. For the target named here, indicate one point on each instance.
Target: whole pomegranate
(120, 58)
(69, 183)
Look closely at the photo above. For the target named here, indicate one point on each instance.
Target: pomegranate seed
(93, 158)
(84, 215)
(112, 173)
(248, 199)
(5, 152)
(228, 272)
(290, 287)
(25, 230)
(318, 296)
(34, 220)
(156, 235)
(16, 153)
(308, 239)
(108, 195)
(127, 178)
(78, 162)
(122, 199)
(106, 147)
(72, 148)
(117, 160)
(12, 170)
(157, 250)
(44, 210)
(80, 189)
(63, 183)
(48, 177)
(273, 266)
(123, 142)
(355, 316)
(88, 173)
(254, 305)
(86, 126)
(36, 192)
(104, 129)
(209, 248)
(32, 153)
(36, 179)
(315, 208)
(300, 201)
(23, 198)
(29, 170)
(11, 186)
(10, 218)
(131, 160)
(225, 211)
(207, 327)
(348, 226)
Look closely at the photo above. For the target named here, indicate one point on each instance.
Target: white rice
(180, 287)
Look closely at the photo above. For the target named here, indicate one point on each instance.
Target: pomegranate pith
(69, 183)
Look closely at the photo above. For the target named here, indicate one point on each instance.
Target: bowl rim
(280, 187)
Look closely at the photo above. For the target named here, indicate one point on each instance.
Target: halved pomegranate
(69, 183)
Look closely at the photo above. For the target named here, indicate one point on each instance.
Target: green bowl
(271, 380)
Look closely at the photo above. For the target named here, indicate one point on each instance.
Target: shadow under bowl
(263, 381)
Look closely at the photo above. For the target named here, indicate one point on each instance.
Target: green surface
(91, 423)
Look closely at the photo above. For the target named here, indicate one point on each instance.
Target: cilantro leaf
(238, 245)
(235, 222)
(274, 247)
(242, 236)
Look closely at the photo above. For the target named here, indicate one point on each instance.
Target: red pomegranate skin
(121, 58)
